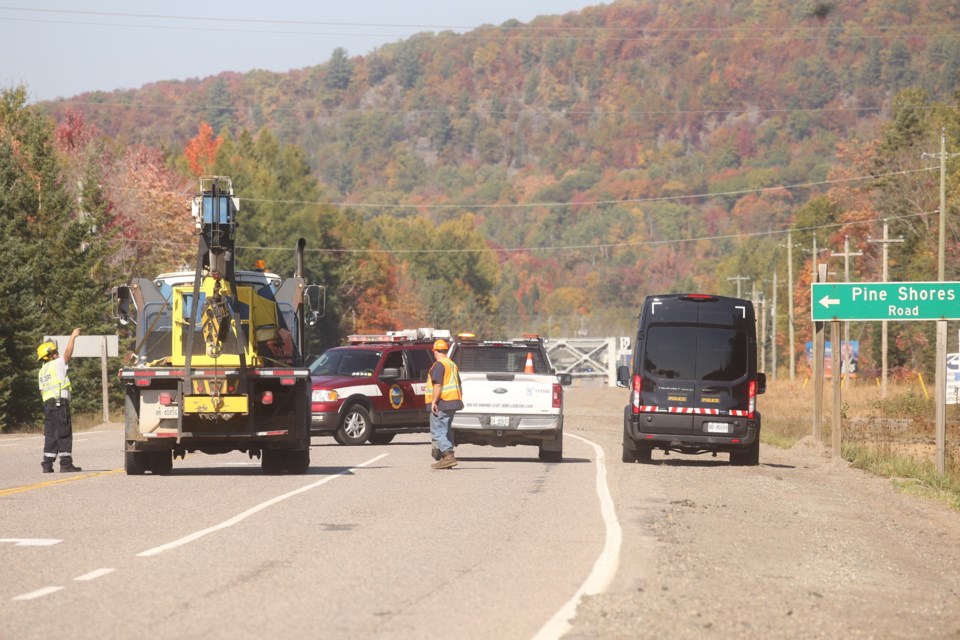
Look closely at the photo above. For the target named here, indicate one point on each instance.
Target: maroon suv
(371, 389)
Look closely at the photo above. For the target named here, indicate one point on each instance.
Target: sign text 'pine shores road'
(885, 301)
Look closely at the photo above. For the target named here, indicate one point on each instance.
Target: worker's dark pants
(58, 430)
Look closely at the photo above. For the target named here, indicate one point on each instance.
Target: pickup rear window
(499, 358)
(696, 353)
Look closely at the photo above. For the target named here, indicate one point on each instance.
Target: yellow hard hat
(440, 345)
(46, 350)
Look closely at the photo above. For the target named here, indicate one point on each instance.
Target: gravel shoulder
(802, 546)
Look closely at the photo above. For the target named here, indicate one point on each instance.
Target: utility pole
(793, 348)
(773, 328)
(761, 316)
(845, 354)
(739, 279)
(941, 382)
(883, 323)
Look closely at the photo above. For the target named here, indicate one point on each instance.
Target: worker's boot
(447, 461)
(435, 452)
(47, 465)
(66, 464)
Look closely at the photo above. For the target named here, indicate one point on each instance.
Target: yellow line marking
(50, 483)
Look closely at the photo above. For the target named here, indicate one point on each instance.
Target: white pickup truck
(511, 395)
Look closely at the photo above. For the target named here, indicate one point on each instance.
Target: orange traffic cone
(528, 368)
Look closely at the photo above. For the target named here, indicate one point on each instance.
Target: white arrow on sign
(31, 542)
(826, 301)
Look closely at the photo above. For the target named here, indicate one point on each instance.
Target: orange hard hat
(440, 345)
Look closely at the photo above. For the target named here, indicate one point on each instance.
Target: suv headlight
(324, 395)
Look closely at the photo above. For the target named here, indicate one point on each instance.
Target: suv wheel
(355, 427)
(381, 438)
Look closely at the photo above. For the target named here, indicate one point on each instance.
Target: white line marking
(93, 575)
(39, 593)
(249, 512)
(604, 569)
(31, 542)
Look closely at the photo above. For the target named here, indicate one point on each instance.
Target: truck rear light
(635, 395)
(557, 396)
(142, 382)
(267, 397)
(752, 398)
(166, 399)
(288, 382)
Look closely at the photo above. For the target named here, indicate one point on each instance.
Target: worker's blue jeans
(440, 430)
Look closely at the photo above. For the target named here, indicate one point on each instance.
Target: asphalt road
(371, 543)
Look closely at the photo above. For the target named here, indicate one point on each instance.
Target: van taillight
(752, 397)
(637, 385)
(557, 396)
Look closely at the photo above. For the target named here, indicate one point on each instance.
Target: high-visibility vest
(51, 385)
(451, 382)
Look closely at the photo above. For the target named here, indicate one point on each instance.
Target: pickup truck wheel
(355, 428)
(135, 462)
(551, 456)
(298, 461)
(381, 438)
(272, 461)
(161, 462)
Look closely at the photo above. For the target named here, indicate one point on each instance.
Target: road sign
(885, 301)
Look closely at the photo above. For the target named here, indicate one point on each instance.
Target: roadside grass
(892, 437)
(81, 422)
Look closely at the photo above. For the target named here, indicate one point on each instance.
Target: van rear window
(695, 353)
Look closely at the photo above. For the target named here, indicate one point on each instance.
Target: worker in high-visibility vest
(55, 392)
(445, 395)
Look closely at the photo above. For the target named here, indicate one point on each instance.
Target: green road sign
(885, 301)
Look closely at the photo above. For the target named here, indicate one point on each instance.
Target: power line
(646, 28)
(548, 205)
(653, 39)
(523, 112)
(581, 247)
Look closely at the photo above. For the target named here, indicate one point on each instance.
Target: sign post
(93, 347)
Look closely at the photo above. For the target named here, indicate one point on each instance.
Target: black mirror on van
(623, 376)
(761, 383)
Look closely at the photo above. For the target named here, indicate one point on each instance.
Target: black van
(694, 379)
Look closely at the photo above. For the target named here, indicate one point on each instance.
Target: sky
(61, 48)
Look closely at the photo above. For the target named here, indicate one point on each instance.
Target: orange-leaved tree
(201, 150)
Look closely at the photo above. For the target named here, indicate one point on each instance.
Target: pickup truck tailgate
(510, 393)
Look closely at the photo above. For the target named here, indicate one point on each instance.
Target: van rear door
(695, 362)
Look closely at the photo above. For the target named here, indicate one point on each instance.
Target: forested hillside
(546, 176)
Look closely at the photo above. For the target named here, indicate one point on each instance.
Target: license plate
(499, 421)
(168, 411)
(717, 427)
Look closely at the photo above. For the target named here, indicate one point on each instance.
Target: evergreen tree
(55, 239)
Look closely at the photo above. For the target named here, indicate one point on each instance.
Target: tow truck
(217, 362)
